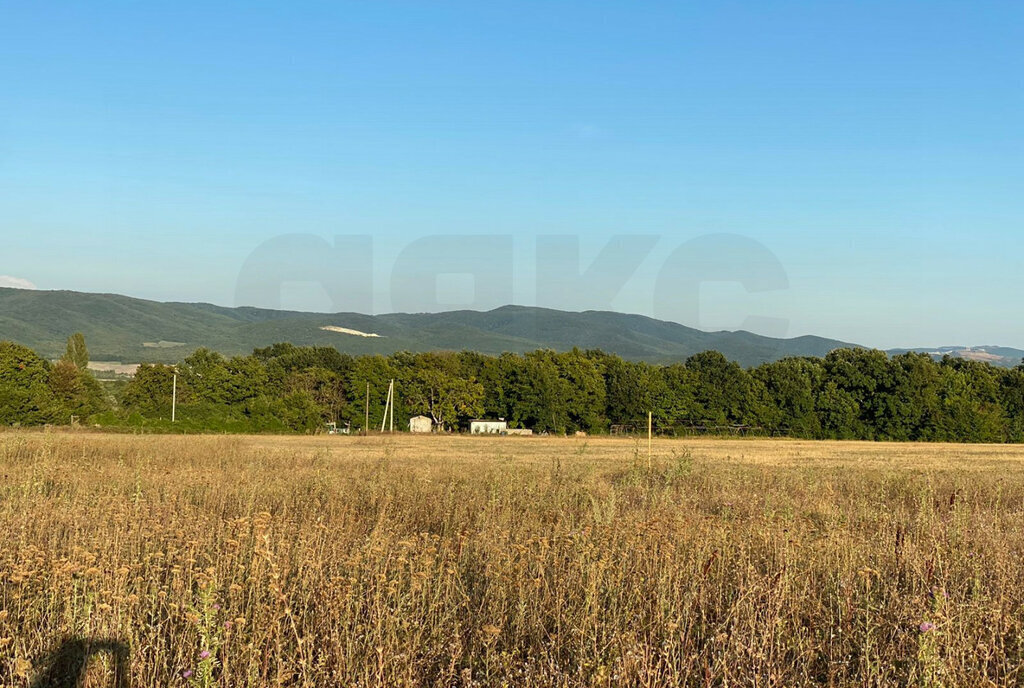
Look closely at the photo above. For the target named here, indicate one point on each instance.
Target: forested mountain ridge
(121, 328)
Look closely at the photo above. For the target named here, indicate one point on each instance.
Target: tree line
(848, 394)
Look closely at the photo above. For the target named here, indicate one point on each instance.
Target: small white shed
(420, 424)
(488, 427)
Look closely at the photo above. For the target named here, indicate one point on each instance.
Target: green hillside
(120, 328)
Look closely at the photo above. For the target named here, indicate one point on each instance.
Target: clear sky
(874, 150)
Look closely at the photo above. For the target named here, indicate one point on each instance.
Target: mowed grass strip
(456, 561)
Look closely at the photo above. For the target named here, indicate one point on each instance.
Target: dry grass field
(457, 561)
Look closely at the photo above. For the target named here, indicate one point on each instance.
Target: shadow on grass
(66, 666)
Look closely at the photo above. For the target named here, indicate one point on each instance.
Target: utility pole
(174, 397)
(387, 405)
(392, 406)
(366, 425)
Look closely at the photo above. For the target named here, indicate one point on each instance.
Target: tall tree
(857, 374)
(906, 404)
(446, 398)
(792, 385)
(206, 373)
(970, 408)
(680, 405)
(76, 351)
(536, 392)
(725, 392)
(75, 392)
(325, 388)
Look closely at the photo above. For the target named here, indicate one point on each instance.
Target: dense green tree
(434, 387)
(325, 388)
(839, 412)
(205, 372)
(300, 412)
(553, 392)
(856, 374)
(77, 352)
(503, 397)
(289, 358)
(76, 393)
(630, 390)
(725, 393)
(1011, 394)
(25, 394)
(584, 391)
(793, 385)
(906, 402)
(246, 379)
(537, 394)
(970, 411)
(487, 370)
(150, 391)
(679, 408)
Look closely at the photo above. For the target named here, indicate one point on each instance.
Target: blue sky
(874, 150)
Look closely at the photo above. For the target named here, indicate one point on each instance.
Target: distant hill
(996, 355)
(121, 328)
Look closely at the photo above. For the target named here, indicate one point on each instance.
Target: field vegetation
(458, 561)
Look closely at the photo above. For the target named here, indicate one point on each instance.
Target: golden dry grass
(457, 561)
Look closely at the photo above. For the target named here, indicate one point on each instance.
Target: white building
(488, 427)
(420, 424)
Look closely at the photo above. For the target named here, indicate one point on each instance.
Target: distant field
(461, 561)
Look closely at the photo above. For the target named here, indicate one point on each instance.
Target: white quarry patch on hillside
(345, 330)
(15, 282)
